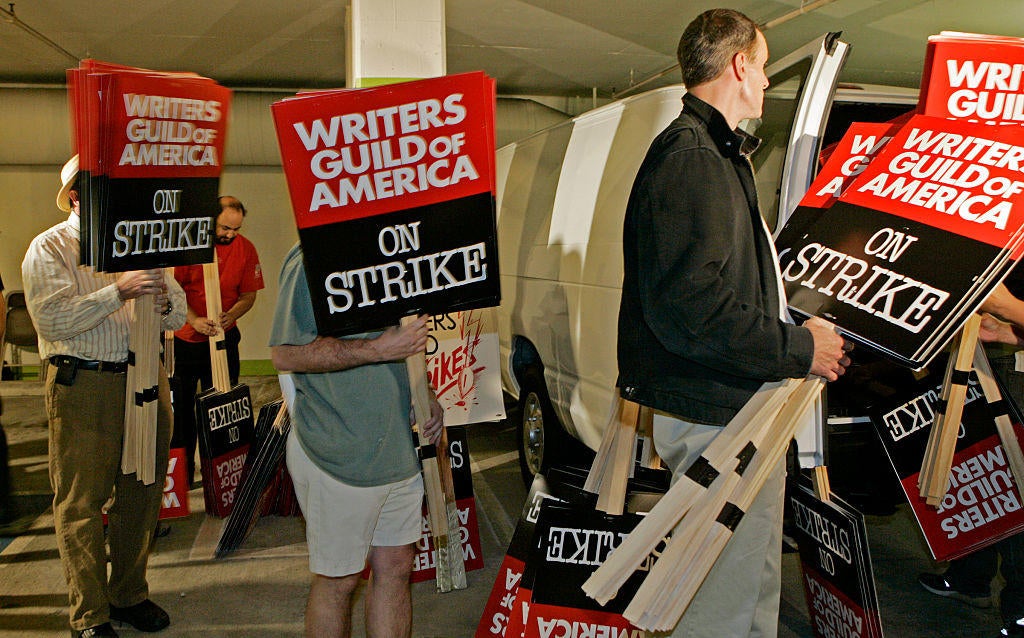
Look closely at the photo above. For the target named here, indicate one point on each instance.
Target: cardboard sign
(916, 242)
(983, 504)
(226, 430)
(838, 580)
(974, 77)
(462, 363)
(469, 530)
(393, 194)
(150, 148)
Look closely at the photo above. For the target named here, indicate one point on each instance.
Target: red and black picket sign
(916, 240)
(225, 422)
(393, 194)
(983, 504)
(150, 148)
(974, 77)
(838, 579)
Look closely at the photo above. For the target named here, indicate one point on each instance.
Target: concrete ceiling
(533, 47)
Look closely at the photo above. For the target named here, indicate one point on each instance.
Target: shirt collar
(731, 142)
(74, 221)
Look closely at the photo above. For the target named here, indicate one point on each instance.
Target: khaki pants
(740, 596)
(86, 433)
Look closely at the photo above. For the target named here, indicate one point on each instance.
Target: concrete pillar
(394, 40)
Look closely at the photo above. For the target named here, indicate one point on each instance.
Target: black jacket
(699, 327)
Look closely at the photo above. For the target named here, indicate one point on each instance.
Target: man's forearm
(324, 354)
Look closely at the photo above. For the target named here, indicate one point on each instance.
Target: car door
(796, 105)
(801, 88)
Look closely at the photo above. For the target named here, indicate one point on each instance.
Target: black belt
(116, 367)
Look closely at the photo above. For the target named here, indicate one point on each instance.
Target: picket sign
(938, 457)
(442, 510)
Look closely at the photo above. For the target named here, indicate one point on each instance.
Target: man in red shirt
(240, 278)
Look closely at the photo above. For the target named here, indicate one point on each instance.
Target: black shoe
(936, 584)
(146, 616)
(95, 632)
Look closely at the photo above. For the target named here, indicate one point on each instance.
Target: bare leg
(388, 597)
(329, 607)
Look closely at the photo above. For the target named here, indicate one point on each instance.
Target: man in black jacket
(702, 322)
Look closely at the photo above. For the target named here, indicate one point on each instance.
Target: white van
(561, 198)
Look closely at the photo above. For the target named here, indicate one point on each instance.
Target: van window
(774, 128)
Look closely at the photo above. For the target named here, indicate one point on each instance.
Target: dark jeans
(192, 369)
(974, 573)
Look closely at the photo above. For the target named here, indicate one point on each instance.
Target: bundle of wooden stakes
(613, 462)
(218, 347)
(442, 510)
(138, 453)
(704, 506)
(966, 352)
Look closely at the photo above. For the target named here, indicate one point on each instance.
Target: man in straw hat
(702, 322)
(82, 318)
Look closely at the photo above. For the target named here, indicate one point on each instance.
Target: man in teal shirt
(352, 459)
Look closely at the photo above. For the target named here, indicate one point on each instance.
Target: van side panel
(560, 242)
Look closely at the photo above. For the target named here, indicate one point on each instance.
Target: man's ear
(73, 196)
(739, 65)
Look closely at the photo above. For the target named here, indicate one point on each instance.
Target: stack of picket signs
(566, 529)
(983, 504)
(393, 191)
(150, 147)
(260, 468)
(838, 581)
(909, 227)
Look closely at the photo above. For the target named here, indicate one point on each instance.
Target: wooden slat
(699, 539)
(1004, 426)
(442, 511)
(941, 461)
(612, 496)
(762, 408)
(218, 353)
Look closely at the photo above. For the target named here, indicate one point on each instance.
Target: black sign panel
(432, 259)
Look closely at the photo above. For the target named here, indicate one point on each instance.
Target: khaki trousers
(740, 597)
(86, 434)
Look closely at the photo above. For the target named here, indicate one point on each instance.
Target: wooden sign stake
(218, 347)
(1011, 446)
(442, 511)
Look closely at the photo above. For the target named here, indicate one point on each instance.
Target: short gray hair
(711, 40)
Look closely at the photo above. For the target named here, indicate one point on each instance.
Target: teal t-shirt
(354, 424)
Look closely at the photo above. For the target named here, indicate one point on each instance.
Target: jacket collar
(731, 143)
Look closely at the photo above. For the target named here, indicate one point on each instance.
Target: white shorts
(344, 521)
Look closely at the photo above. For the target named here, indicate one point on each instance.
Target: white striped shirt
(76, 311)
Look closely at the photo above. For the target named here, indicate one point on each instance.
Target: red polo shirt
(240, 272)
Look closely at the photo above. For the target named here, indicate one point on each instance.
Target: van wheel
(536, 428)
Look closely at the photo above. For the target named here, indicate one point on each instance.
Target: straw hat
(67, 178)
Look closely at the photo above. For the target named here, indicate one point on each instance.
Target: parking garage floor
(260, 590)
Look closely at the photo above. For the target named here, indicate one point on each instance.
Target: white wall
(35, 143)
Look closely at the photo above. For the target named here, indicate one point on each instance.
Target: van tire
(537, 428)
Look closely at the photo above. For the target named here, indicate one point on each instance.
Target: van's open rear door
(796, 108)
